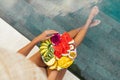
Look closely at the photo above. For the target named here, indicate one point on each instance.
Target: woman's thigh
(37, 59)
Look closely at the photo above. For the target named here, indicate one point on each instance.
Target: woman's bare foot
(92, 14)
(95, 23)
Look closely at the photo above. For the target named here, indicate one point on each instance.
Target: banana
(43, 47)
(44, 44)
(45, 54)
(47, 41)
(43, 51)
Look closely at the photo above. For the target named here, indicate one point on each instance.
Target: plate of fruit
(59, 51)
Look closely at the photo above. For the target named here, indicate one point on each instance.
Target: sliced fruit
(43, 47)
(45, 54)
(72, 46)
(64, 62)
(50, 55)
(71, 42)
(72, 54)
(67, 64)
(65, 54)
(50, 62)
(43, 51)
(46, 48)
(59, 68)
(54, 66)
(44, 44)
(47, 41)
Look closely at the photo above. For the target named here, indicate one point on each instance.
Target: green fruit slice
(50, 62)
(47, 51)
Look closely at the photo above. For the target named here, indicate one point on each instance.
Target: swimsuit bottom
(59, 51)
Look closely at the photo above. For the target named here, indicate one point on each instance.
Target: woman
(77, 34)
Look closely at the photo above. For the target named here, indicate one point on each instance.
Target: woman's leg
(83, 30)
(36, 58)
(74, 32)
(61, 74)
(56, 75)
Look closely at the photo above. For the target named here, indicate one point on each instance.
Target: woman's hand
(45, 35)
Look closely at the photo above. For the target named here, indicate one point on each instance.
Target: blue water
(98, 55)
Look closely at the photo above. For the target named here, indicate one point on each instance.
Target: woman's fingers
(49, 33)
(45, 35)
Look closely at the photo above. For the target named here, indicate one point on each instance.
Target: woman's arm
(26, 49)
(45, 35)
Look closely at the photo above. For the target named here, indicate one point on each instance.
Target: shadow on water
(76, 70)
